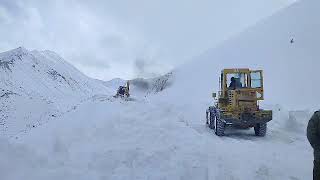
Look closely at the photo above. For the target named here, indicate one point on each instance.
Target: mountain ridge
(43, 81)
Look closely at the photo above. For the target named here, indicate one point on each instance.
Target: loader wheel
(211, 120)
(260, 129)
(220, 127)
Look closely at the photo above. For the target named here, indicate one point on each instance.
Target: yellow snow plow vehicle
(237, 104)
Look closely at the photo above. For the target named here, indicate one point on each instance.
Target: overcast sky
(127, 38)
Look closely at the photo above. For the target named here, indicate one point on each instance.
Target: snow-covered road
(114, 139)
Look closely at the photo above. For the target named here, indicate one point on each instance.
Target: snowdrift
(291, 69)
(104, 139)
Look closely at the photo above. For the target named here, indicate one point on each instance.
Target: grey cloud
(13, 7)
(148, 68)
(113, 42)
(140, 66)
(90, 60)
(126, 38)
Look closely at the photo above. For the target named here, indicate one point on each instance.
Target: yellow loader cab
(237, 103)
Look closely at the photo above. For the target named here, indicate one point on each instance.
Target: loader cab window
(256, 79)
(237, 80)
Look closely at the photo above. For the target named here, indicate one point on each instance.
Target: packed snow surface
(106, 138)
(161, 133)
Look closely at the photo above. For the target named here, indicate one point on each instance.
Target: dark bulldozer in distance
(237, 104)
(123, 91)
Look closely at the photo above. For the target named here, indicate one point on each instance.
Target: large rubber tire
(219, 127)
(211, 120)
(260, 129)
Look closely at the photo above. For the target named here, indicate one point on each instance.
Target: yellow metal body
(233, 102)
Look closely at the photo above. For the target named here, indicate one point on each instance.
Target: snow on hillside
(36, 86)
(291, 69)
(164, 136)
(115, 83)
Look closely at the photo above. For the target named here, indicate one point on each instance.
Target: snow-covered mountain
(164, 136)
(38, 85)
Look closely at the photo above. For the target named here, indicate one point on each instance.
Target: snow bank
(290, 69)
(114, 139)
